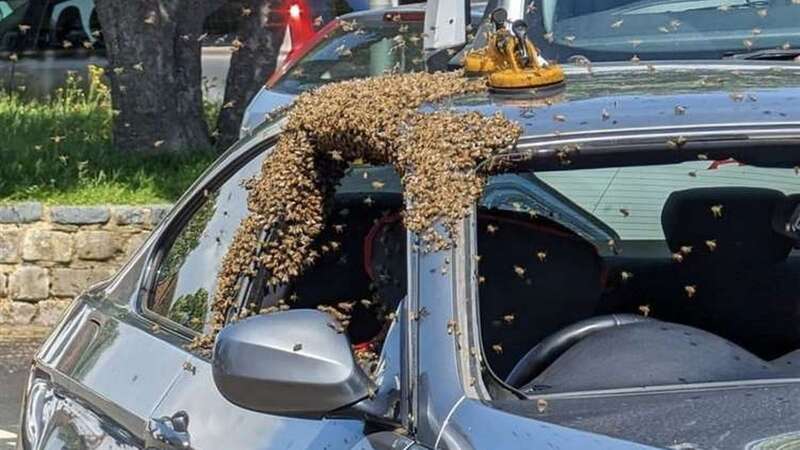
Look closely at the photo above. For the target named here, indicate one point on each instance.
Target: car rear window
(357, 50)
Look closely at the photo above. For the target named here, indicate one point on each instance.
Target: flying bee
(645, 310)
(762, 13)
(625, 212)
(246, 12)
(66, 44)
(677, 257)
(711, 244)
(677, 142)
(509, 319)
(625, 276)
(342, 50)
(139, 66)
(519, 270)
(542, 255)
(605, 115)
(635, 59)
(451, 326)
(497, 348)
(560, 118)
(748, 44)
(617, 23)
(716, 210)
(663, 29)
(492, 229)
(691, 290)
(680, 110)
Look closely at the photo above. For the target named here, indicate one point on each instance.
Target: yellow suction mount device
(512, 62)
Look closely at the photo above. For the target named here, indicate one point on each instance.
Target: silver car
(631, 281)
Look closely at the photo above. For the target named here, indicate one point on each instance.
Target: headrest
(786, 218)
(732, 225)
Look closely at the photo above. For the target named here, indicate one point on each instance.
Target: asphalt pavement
(17, 346)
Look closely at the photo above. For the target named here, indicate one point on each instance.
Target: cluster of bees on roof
(373, 121)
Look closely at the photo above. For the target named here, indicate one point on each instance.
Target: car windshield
(667, 29)
(357, 50)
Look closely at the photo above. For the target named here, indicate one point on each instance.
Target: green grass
(59, 151)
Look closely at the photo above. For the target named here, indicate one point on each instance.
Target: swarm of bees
(374, 121)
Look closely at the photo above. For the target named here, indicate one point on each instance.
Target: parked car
(638, 287)
(356, 45)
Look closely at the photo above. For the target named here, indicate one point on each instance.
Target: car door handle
(172, 431)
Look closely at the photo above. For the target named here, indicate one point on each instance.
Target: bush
(58, 150)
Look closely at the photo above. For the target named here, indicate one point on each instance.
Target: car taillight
(294, 11)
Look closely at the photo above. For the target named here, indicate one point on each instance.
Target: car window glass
(360, 276)
(12, 15)
(358, 50)
(707, 247)
(618, 29)
(186, 276)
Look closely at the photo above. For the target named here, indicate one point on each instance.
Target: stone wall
(50, 254)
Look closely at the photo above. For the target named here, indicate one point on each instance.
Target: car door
(193, 413)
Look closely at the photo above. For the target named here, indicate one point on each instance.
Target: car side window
(187, 272)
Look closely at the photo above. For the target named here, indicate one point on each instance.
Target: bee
(677, 257)
(189, 367)
(342, 50)
(663, 29)
(451, 326)
(520, 271)
(492, 229)
(13, 57)
(716, 210)
(57, 139)
(541, 405)
(737, 97)
(87, 45)
(549, 37)
(158, 143)
(605, 115)
(246, 12)
(645, 310)
(66, 44)
(755, 31)
(635, 59)
(139, 66)
(711, 244)
(680, 110)
(509, 319)
(762, 13)
(369, 201)
(625, 276)
(693, 173)
(691, 290)
(677, 142)
(497, 348)
(724, 8)
(24, 28)
(151, 18)
(702, 156)
(748, 44)
(236, 44)
(297, 347)
(542, 255)
(617, 23)
(569, 39)
(625, 212)
(560, 118)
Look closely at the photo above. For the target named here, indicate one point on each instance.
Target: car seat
(743, 287)
(536, 277)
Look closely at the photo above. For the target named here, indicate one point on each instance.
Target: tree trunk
(155, 72)
(260, 35)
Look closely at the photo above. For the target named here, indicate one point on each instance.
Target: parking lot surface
(17, 346)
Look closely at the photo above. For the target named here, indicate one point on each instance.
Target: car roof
(617, 97)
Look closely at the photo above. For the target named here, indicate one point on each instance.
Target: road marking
(7, 434)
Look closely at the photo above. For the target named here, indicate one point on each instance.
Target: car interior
(715, 299)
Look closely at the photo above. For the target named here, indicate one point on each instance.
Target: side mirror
(289, 363)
